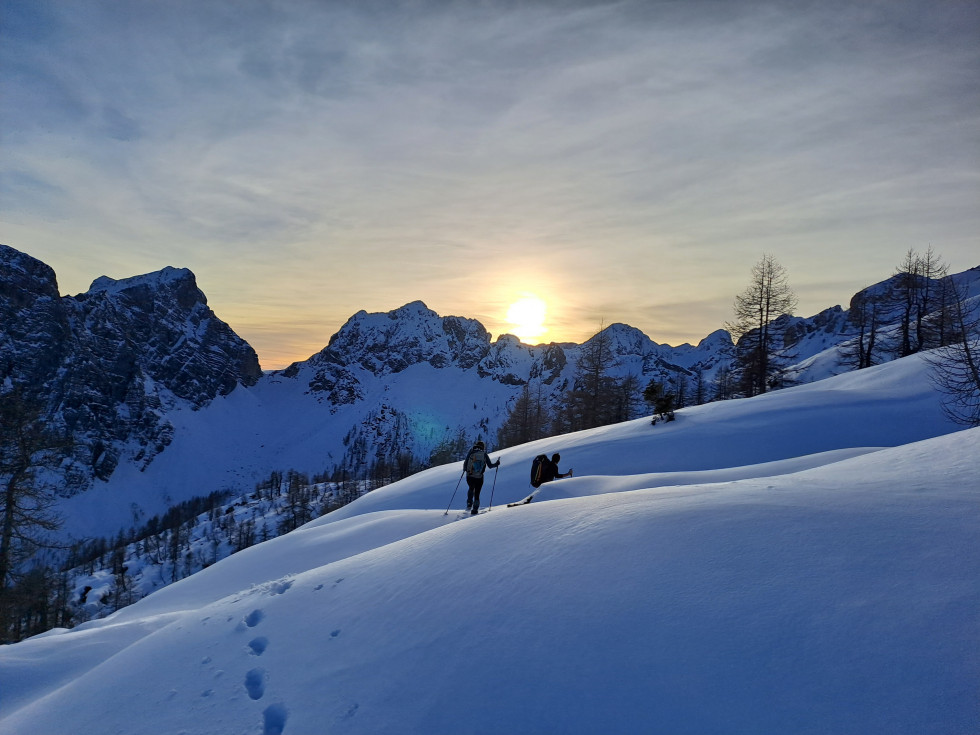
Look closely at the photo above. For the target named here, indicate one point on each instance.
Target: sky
(617, 161)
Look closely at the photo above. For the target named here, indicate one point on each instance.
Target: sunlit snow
(803, 562)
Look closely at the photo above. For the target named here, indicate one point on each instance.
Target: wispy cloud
(367, 154)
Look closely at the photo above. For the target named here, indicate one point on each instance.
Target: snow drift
(758, 566)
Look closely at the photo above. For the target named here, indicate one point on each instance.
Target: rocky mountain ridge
(109, 364)
(383, 344)
(146, 376)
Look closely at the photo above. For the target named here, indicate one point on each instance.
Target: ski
(467, 514)
(526, 500)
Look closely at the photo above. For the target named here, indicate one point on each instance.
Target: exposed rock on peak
(163, 278)
(180, 282)
(108, 363)
(183, 344)
(372, 345)
(24, 273)
(389, 342)
(33, 324)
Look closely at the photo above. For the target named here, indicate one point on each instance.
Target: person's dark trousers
(473, 487)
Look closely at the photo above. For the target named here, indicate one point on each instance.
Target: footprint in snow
(274, 717)
(258, 645)
(255, 683)
(254, 618)
(280, 587)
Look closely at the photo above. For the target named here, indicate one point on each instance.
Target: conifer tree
(956, 366)
(594, 398)
(724, 383)
(661, 398)
(26, 504)
(864, 316)
(700, 396)
(527, 420)
(758, 350)
(920, 300)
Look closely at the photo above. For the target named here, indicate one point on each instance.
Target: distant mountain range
(166, 402)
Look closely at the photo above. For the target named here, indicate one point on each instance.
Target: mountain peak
(389, 342)
(179, 280)
(26, 269)
(117, 358)
(718, 338)
(415, 308)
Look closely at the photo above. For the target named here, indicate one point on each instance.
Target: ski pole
(494, 487)
(454, 493)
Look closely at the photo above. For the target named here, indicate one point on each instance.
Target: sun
(527, 314)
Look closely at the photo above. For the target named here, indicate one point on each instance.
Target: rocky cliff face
(371, 346)
(377, 345)
(34, 329)
(108, 364)
(161, 325)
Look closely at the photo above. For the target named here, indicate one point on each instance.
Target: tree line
(921, 307)
(37, 591)
(596, 397)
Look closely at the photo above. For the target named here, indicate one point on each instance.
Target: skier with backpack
(475, 464)
(542, 470)
(545, 470)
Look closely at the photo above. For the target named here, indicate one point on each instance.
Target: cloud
(119, 126)
(401, 149)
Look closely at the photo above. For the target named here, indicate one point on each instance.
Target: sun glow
(527, 314)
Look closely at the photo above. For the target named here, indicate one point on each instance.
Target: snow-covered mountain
(110, 364)
(168, 403)
(804, 561)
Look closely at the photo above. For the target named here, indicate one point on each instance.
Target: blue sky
(622, 161)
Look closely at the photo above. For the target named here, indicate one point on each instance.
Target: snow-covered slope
(411, 381)
(166, 403)
(757, 566)
(405, 381)
(210, 449)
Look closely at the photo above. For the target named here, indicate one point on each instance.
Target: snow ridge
(679, 582)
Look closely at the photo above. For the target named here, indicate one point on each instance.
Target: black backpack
(537, 469)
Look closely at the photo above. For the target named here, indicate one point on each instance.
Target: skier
(551, 471)
(475, 464)
(542, 470)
